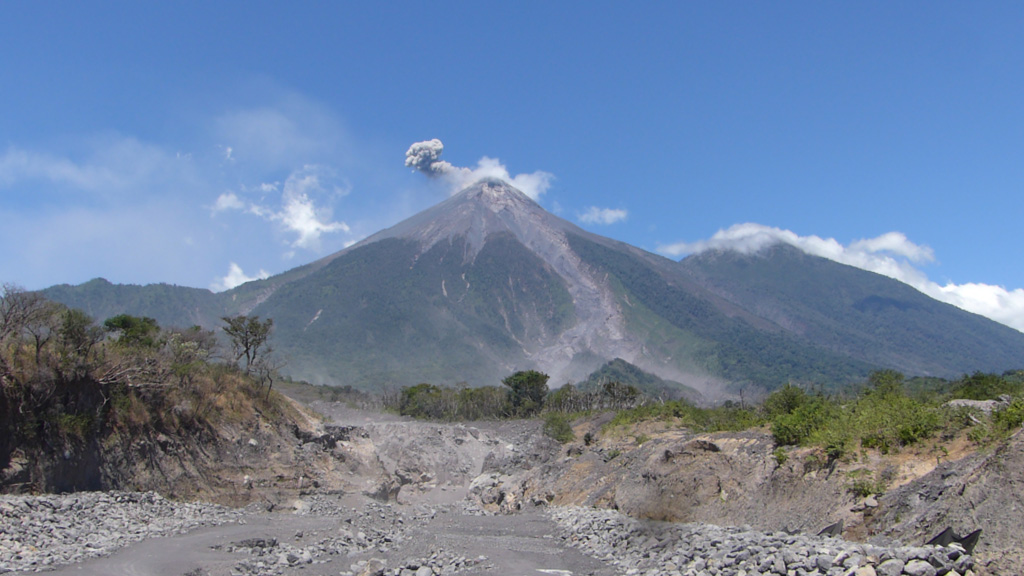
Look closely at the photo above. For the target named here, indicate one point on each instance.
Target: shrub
(557, 426)
(863, 484)
(890, 421)
(784, 401)
(1011, 417)
(798, 426)
(74, 425)
(981, 386)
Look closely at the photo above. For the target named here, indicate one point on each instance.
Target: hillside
(856, 313)
(487, 282)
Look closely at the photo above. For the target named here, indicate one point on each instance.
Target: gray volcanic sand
(523, 544)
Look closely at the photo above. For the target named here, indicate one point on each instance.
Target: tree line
(523, 394)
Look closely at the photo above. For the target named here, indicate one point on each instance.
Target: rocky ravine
(389, 497)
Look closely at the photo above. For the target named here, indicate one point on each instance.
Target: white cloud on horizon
(425, 157)
(236, 277)
(595, 215)
(891, 254)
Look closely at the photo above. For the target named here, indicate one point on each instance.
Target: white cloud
(298, 212)
(425, 157)
(236, 277)
(228, 201)
(595, 215)
(84, 197)
(300, 215)
(114, 165)
(891, 254)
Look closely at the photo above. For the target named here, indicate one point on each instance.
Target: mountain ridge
(487, 282)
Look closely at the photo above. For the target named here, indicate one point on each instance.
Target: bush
(557, 426)
(784, 401)
(780, 455)
(863, 484)
(981, 386)
(890, 421)
(1011, 417)
(717, 419)
(798, 426)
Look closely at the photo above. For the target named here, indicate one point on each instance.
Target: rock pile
(668, 549)
(440, 563)
(37, 532)
(370, 529)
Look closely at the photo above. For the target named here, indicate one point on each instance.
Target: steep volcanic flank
(489, 260)
(487, 282)
(492, 208)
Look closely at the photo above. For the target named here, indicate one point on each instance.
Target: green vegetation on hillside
(71, 390)
(886, 418)
(859, 315)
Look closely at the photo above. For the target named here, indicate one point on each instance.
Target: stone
(919, 567)
(890, 567)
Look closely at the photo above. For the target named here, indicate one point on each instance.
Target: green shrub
(784, 401)
(890, 421)
(717, 419)
(74, 425)
(557, 426)
(863, 484)
(981, 386)
(1011, 417)
(798, 426)
(780, 455)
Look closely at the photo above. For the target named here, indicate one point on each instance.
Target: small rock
(890, 567)
(919, 568)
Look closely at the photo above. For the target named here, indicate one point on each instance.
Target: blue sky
(182, 141)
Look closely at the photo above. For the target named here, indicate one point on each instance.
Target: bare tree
(23, 313)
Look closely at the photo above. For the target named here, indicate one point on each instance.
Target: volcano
(487, 282)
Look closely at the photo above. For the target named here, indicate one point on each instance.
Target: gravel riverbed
(37, 532)
(322, 534)
(675, 549)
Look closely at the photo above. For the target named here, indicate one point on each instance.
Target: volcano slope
(487, 283)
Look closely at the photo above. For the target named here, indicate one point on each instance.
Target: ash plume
(425, 157)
